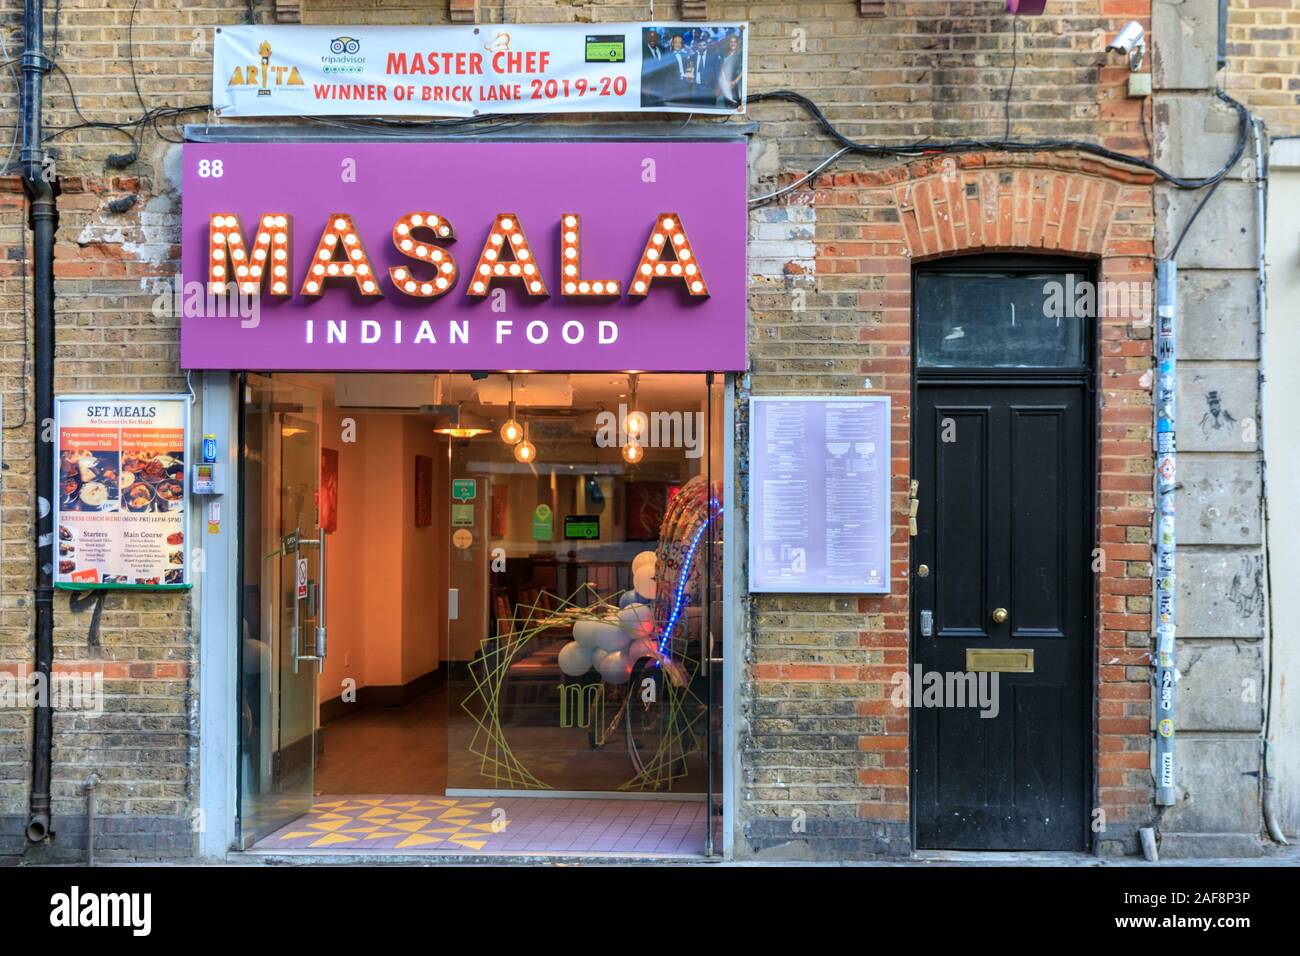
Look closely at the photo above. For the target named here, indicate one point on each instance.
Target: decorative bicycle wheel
(645, 719)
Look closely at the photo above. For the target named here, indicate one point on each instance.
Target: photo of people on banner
(700, 66)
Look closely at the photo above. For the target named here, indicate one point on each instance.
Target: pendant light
(460, 425)
(636, 422)
(525, 451)
(633, 451)
(512, 431)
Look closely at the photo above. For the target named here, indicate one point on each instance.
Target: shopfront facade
(480, 492)
(1029, 396)
(375, 537)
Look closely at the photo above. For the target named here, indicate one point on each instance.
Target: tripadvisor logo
(343, 56)
(77, 909)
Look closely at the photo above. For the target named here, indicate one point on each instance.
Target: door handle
(318, 591)
(321, 622)
(999, 615)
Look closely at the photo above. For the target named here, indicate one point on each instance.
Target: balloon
(644, 581)
(598, 655)
(629, 597)
(642, 647)
(585, 631)
(610, 635)
(615, 668)
(643, 560)
(575, 660)
(637, 619)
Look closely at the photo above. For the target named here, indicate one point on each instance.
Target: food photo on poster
(122, 491)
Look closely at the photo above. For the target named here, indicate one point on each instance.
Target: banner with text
(468, 71)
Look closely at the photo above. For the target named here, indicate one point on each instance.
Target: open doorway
(481, 612)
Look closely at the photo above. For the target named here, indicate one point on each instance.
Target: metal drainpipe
(1166, 542)
(1268, 792)
(89, 786)
(41, 191)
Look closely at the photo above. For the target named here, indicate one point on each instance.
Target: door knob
(999, 615)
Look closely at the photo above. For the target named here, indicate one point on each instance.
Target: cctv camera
(1130, 41)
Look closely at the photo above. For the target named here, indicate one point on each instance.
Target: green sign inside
(462, 516)
(581, 527)
(464, 489)
(542, 523)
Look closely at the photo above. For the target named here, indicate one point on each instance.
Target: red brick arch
(1030, 202)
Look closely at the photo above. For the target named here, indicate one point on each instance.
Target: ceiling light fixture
(459, 425)
(512, 431)
(637, 422)
(525, 451)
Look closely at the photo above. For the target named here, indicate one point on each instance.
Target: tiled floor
(503, 825)
(387, 750)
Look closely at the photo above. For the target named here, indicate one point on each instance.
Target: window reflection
(583, 672)
(1002, 320)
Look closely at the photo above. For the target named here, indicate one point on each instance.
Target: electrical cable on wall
(926, 148)
(1011, 83)
(496, 122)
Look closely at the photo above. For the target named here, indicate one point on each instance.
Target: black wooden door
(1003, 524)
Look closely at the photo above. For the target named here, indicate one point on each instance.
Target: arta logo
(340, 45)
(264, 75)
(499, 43)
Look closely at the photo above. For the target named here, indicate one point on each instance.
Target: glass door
(586, 620)
(283, 632)
(713, 585)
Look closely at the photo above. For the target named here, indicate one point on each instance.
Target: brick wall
(815, 734)
(1264, 61)
(826, 752)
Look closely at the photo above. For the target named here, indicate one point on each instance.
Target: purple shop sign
(619, 191)
(819, 495)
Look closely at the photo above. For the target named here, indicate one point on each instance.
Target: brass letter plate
(1007, 660)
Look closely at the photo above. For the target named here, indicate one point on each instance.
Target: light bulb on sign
(633, 452)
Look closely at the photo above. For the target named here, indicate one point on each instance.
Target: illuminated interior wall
(386, 588)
